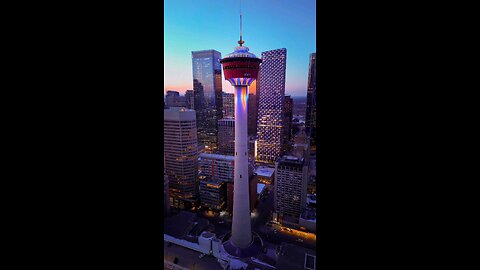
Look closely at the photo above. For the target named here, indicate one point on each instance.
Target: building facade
(181, 156)
(228, 105)
(311, 111)
(252, 109)
(166, 196)
(226, 136)
(213, 193)
(171, 98)
(290, 184)
(271, 109)
(217, 167)
(288, 122)
(251, 147)
(189, 99)
(265, 175)
(208, 99)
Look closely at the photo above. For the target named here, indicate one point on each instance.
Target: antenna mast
(241, 41)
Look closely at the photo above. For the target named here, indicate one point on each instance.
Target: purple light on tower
(241, 69)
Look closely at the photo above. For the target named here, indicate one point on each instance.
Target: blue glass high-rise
(207, 87)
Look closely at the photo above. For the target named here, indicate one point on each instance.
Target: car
(221, 222)
(201, 255)
(299, 240)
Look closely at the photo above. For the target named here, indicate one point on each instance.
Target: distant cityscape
(240, 168)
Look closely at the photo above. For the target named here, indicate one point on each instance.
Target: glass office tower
(207, 88)
(311, 113)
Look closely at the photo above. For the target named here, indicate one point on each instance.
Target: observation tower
(240, 68)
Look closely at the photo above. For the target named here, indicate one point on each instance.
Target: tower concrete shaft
(241, 224)
(241, 69)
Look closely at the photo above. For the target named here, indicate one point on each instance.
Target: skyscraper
(171, 98)
(207, 87)
(252, 109)
(311, 112)
(174, 99)
(226, 136)
(181, 156)
(290, 186)
(271, 108)
(288, 121)
(189, 100)
(228, 107)
(166, 202)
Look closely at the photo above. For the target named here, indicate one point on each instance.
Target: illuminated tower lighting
(241, 69)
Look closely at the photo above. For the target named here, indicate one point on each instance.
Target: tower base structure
(252, 250)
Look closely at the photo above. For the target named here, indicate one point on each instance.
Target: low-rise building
(308, 220)
(265, 174)
(212, 193)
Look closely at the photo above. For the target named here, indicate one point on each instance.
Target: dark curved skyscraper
(207, 88)
(311, 113)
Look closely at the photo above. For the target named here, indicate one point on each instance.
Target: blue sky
(192, 25)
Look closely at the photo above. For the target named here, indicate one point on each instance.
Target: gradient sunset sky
(193, 25)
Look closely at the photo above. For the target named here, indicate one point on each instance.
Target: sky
(194, 25)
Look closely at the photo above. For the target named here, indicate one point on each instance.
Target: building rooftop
(260, 187)
(184, 224)
(215, 183)
(217, 156)
(291, 161)
(187, 258)
(179, 114)
(265, 171)
(293, 257)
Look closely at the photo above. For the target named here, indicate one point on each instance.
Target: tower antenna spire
(241, 41)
